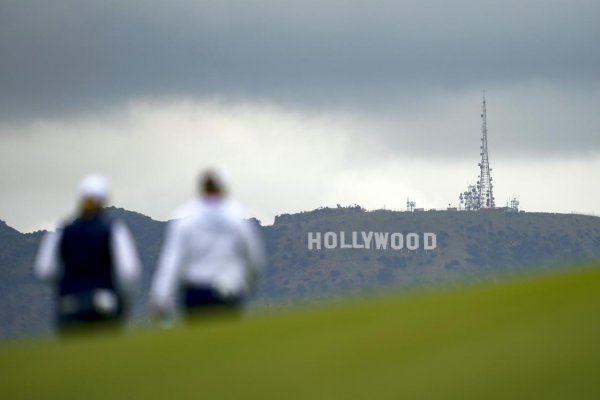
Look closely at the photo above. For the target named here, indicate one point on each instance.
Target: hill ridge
(469, 245)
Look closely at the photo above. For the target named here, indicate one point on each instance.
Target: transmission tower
(484, 184)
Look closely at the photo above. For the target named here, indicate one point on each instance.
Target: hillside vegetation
(470, 245)
(531, 337)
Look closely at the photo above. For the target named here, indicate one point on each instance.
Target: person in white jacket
(210, 253)
(91, 261)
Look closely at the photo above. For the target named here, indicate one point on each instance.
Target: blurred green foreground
(534, 337)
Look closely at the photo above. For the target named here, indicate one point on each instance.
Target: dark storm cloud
(66, 56)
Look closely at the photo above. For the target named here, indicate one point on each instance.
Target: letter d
(430, 240)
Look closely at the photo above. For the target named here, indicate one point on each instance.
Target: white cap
(94, 186)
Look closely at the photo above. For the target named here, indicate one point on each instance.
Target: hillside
(22, 297)
(470, 245)
(530, 337)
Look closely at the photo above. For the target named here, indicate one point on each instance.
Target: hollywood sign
(371, 240)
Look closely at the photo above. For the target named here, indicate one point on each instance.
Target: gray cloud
(278, 161)
(69, 56)
(322, 102)
(528, 120)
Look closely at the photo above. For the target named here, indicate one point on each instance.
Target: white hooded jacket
(209, 244)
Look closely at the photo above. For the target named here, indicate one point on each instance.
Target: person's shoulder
(67, 223)
(233, 210)
(104, 222)
(249, 227)
(56, 231)
(238, 217)
(186, 210)
(181, 217)
(116, 225)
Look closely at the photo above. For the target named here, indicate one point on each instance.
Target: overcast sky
(304, 103)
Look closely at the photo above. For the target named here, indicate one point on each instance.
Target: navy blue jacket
(86, 255)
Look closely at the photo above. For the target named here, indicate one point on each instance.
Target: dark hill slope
(469, 244)
(20, 295)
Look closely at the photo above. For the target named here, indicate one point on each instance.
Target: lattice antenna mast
(484, 185)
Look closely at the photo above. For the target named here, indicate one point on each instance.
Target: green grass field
(531, 337)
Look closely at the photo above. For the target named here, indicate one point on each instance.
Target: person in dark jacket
(92, 263)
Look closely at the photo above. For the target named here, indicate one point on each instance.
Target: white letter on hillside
(381, 240)
(355, 241)
(430, 240)
(314, 239)
(367, 239)
(397, 241)
(343, 244)
(412, 241)
(330, 240)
